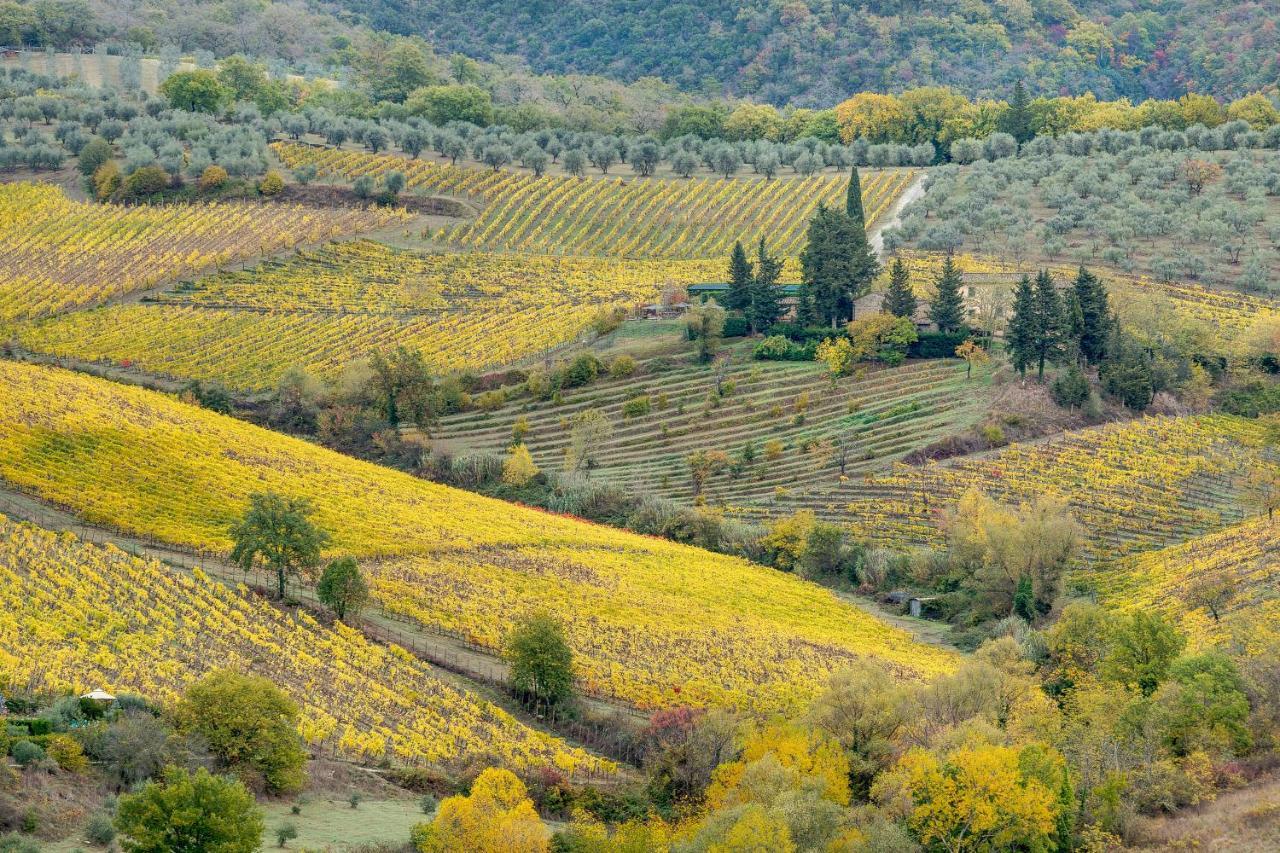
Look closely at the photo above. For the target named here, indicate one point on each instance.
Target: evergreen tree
(853, 200)
(1017, 121)
(947, 310)
(806, 312)
(900, 300)
(1049, 322)
(1095, 316)
(764, 309)
(738, 296)
(1023, 331)
(837, 264)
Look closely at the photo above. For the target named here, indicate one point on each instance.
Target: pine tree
(900, 300)
(853, 200)
(947, 310)
(1023, 331)
(1017, 121)
(765, 308)
(738, 296)
(1049, 322)
(1095, 316)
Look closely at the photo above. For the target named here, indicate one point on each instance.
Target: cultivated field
(1220, 587)
(57, 254)
(323, 309)
(602, 215)
(1133, 485)
(789, 417)
(75, 616)
(651, 622)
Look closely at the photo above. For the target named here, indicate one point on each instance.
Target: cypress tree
(947, 310)
(1017, 121)
(738, 297)
(1049, 322)
(1095, 316)
(900, 300)
(765, 309)
(1023, 332)
(853, 200)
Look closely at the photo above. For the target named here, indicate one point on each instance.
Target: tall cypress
(947, 310)
(806, 313)
(1017, 120)
(1095, 316)
(1023, 331)
(853, 199)
(1049, 322)
(900, 300)
(738, 297)
(765, 308)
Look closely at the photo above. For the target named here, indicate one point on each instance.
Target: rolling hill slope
(76, 616)
(652, 623)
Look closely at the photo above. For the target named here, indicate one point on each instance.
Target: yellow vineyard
(57, 254)
(634, 217)
(651, 622)
(79, 616)
(1133, 485)
(1220, 587)
(320, 310)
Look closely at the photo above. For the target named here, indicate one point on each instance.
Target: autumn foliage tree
(496, 817)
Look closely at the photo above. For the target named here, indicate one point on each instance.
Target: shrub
(736, 326)
(99, 830)
(67, 753)
(285, 833)
(271, 184)
(146, 181)
(622, 367)
(106, 180)
(519, 468)
(636, 407)
(212, 178)
(1070, 389)
(27, 753)
(937, 344)
(583, 370)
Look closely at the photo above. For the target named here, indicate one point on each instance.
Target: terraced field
(76, 616)
(790, 414)
(1135, 485)
(1221, 587)
(325, 308)
(652, 623)
(602, 215)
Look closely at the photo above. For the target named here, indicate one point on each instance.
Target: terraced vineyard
(651, 622)
(1225, 311)
(633, 218)
(75, 616)
(57, 254)
(323, 309)
(1221, 587)
(789, 413)
(1134, 485)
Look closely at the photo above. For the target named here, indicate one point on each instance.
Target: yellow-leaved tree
(977, 798)
(497, 816)
(519, 467)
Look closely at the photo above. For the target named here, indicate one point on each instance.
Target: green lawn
(333, 825)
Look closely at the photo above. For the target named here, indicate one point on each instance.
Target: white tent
(99, 696)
